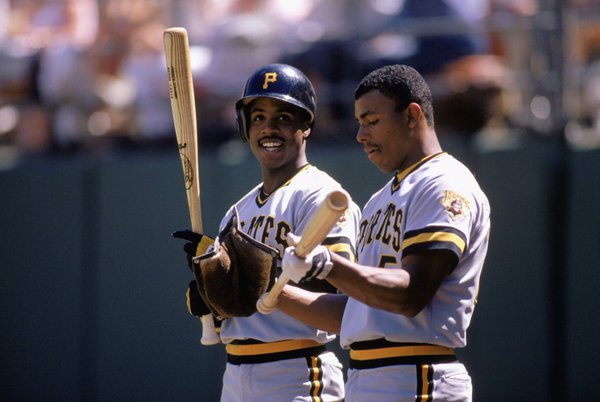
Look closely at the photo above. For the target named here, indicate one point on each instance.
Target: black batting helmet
(278, 81)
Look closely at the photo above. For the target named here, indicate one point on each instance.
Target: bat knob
(210, 339)
(209, 334)
(265, 305)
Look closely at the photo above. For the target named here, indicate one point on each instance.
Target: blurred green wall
(92, 302)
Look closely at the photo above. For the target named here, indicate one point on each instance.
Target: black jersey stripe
(420, 248)
(434, 238)
(430, 233)
(433, 229)
(341, 245)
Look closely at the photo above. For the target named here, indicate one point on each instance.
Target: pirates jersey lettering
(265, 229)
(436, 204)
(386, 230)
(268, 219)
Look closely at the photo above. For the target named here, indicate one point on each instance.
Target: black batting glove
(197, 244)
(195, 304)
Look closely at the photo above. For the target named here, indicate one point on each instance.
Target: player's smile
(276, 134)
(271, 144)
(271, 148)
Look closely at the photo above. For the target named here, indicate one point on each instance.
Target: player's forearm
(320, 310)
(386, 289)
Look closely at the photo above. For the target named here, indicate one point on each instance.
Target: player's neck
(275, 178)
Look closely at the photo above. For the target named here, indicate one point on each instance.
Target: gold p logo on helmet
(269, 77)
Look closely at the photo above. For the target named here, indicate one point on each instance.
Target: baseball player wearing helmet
(408, 301)
(276, 357)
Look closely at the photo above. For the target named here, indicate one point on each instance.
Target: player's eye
(285, 117)
(368, 123)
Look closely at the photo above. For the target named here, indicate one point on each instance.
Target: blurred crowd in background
(89, 76)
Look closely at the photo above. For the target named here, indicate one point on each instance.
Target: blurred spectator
(232, 39)
(475, 101)
(91, 73)
(130, 76)
(83, 73)
(42, 45)
(445, 41)
(465, 59)
(229, 40)
(63, 77)
(583, 90)
(428, 34)
(583, 131)
(434, 36)
(509, 36)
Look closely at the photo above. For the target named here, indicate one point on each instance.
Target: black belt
(380, 353)
(253, 351)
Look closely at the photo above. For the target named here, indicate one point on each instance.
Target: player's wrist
(323, 263)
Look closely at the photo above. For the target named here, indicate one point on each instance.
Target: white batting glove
(292, 239)
(317, 264)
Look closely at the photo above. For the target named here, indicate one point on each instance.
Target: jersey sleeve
(439, 218)
(340, 239)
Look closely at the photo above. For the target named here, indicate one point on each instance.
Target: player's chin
(381, 163)
(272, 159)
(271, 153)
(375, 157)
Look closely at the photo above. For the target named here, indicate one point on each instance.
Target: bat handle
(209, 333)
(268, 302)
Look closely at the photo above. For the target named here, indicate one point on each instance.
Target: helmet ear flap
(242, 124)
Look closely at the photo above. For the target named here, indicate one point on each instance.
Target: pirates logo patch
(344, 218)
(455, 205)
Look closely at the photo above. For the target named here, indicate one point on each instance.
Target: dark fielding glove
(197, 244)
(233, 276)
(196, 306)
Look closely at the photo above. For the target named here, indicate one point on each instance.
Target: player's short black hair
(401, 83)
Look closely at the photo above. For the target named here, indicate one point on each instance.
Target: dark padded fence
(92, 285)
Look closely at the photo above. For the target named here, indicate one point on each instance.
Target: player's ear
(306, 133)
(414, 114)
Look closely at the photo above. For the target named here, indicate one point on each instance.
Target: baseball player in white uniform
(421, 248)
(276, 357)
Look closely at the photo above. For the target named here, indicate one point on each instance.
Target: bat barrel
(338, 200)
(323, 220)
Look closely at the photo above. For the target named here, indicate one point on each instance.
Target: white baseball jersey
(268, 219)
(434, 204)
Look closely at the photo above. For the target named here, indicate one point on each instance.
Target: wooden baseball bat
(181, 92)
(328, 213)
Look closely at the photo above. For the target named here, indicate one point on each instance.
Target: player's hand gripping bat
(329, 212)
(181, 92)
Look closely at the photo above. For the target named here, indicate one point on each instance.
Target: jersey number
(387, 259)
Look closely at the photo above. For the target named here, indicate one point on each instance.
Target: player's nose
(361, 134)
(271, 125)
